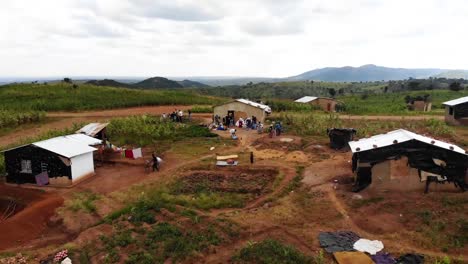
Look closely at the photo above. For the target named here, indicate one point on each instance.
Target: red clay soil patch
(436, 220)
(279, 143)
(239, 181)
(32, 221)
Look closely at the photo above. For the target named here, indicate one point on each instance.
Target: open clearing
(296, 188)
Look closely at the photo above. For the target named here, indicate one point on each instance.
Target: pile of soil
(239, 181)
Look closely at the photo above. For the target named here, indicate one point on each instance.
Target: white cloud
(212, 37)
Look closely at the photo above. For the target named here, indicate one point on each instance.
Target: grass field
(66, 97)
(394, 103)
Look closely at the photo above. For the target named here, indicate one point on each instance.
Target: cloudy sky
(272, 38)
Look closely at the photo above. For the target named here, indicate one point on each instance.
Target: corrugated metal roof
(65, 146)
(92, 129)
(306, 99)
(399, 136)
(265, 108)
(90, 141)
(457, 101)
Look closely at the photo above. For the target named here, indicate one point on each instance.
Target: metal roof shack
(66, 146)
(390, 158)
(265, 108)
(59, 161)
(399, 136)
(92, 129)
(306, 99)
(456, 101)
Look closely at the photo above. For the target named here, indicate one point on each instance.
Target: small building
(402, 160)
(420, 105)
(242, 108)
(456, 111)
(326, 104)
(59, 161)
(95, 130)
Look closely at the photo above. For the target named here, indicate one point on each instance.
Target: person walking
(189, 115)
(155, 162)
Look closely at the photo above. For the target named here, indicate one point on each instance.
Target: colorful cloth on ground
(42, 178)
(338, 241)
(129, 153)
(368, 246)
(383, 258)
(137, 153)
(352, 258)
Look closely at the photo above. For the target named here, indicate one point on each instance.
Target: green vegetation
(291, 90)
(82, 201)
(202, 109)
(270, 251)
(11, 119)
(145, 130)
(296, 182)
(316, 125)
(394, 103)
(66, 97)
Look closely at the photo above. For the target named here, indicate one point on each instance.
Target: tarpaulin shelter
(429, 158)
(340, 137)
(63, 160)
(96, 130)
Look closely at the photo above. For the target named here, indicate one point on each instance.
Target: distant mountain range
(363, 73)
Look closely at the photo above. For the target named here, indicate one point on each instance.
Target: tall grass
(145, 130)
(11, 119)
(64, 97)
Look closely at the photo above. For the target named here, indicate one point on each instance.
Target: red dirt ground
(29, 223)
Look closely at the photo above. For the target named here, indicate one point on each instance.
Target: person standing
(190, 115)
(155, 162)
(251, 157)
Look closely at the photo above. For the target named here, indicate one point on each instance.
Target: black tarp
(338, 241)
(410, 259)
(41, 160)
(420, 156)
(339, 137)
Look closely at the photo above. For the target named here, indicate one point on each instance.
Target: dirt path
(391, 118)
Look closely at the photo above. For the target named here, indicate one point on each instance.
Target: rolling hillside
(364, 73)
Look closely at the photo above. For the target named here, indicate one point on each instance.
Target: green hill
(192, 84)
(108, 82)
(157, 83)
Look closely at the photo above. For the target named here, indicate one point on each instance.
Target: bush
(270, 251)
(140, 258)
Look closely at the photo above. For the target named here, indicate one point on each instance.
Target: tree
(67, 80)
(332, 92)
(455, 86)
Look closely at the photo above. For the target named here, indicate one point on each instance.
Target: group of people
(176, 116)
(229, 121)
(275, 129)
